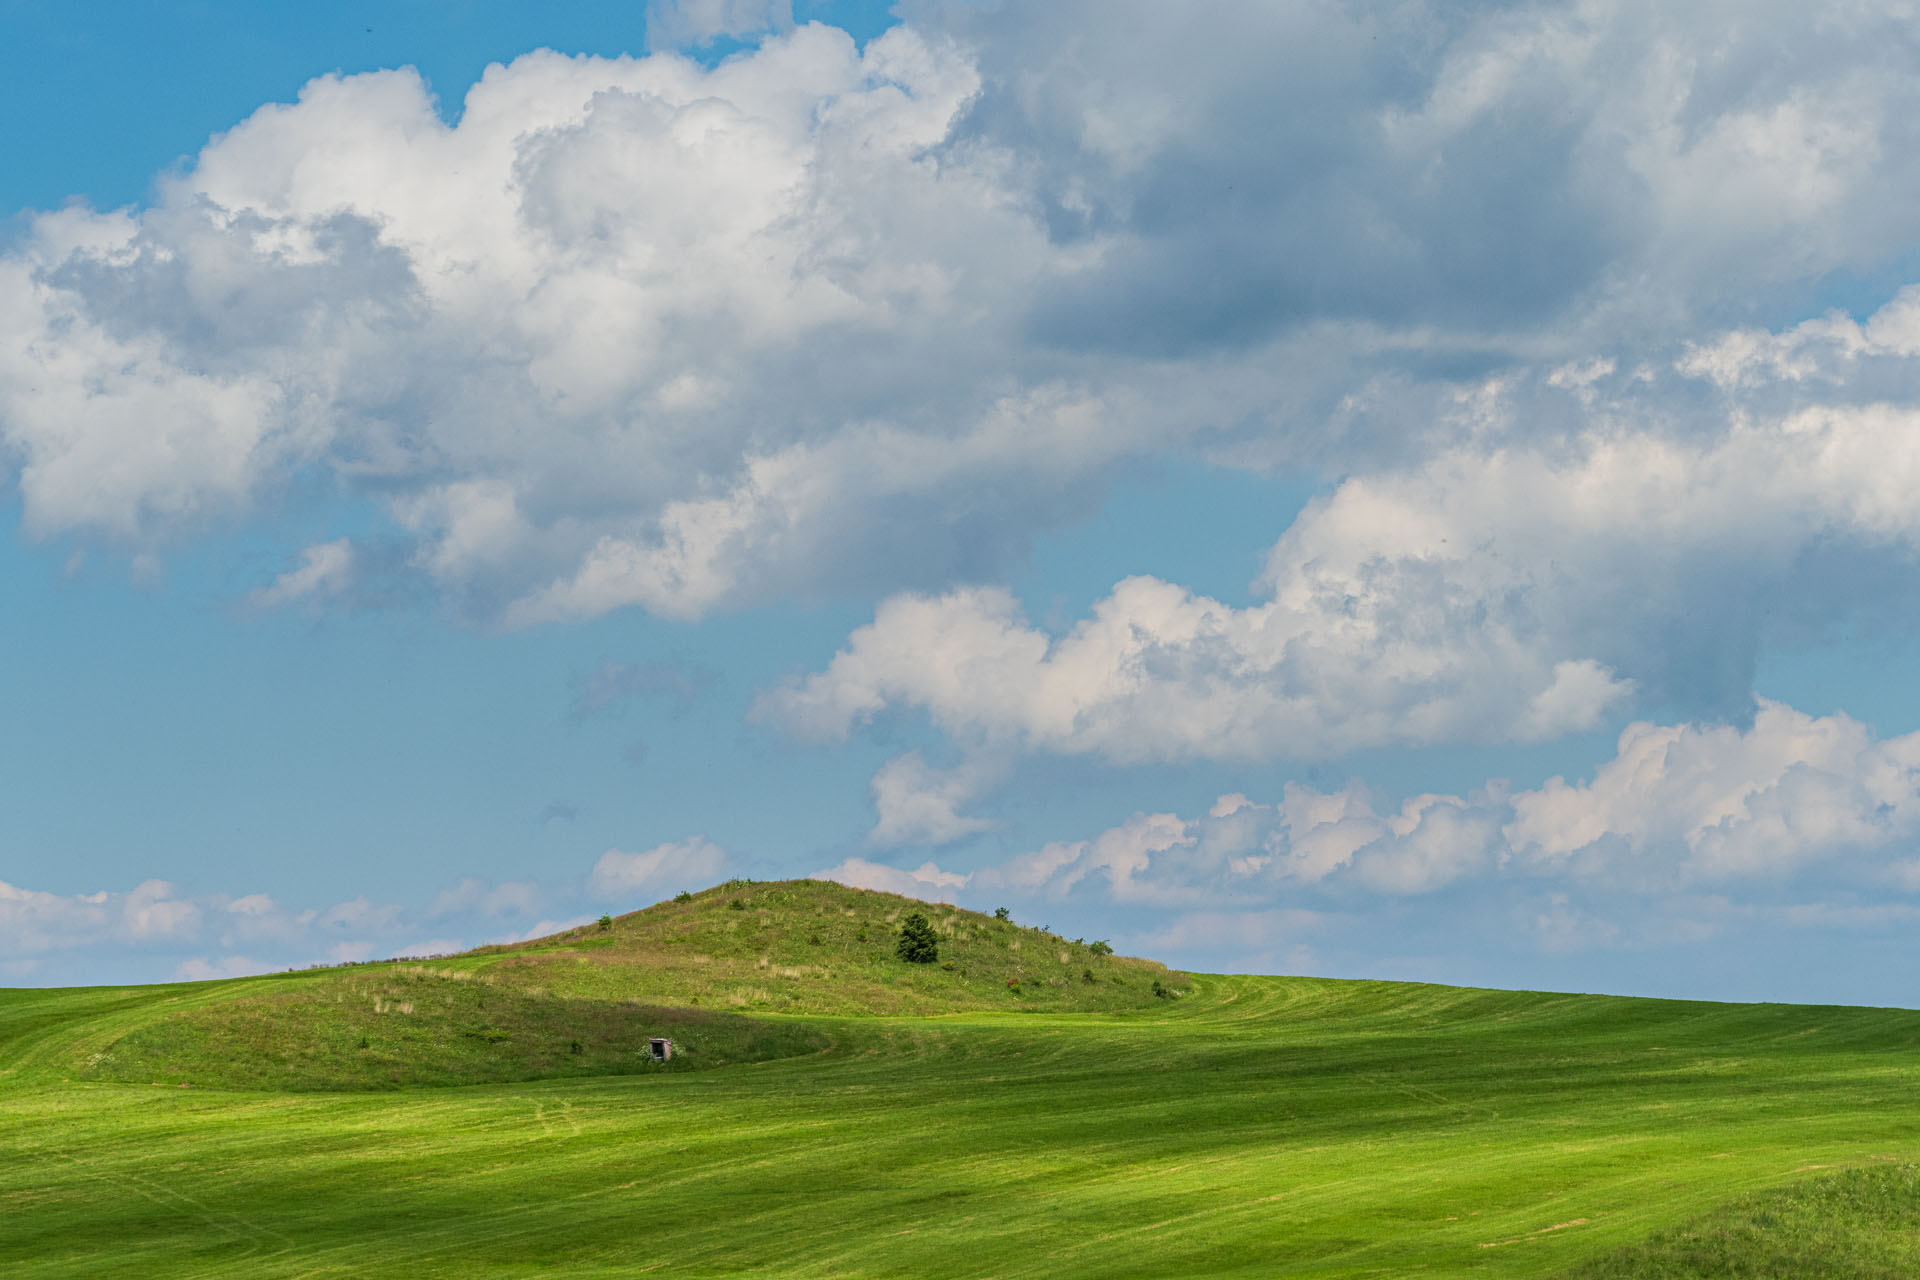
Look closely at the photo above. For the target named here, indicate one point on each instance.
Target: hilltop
(812, 946)
(703, 969)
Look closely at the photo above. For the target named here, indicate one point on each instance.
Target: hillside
(1256, 1127)
(585, 1002)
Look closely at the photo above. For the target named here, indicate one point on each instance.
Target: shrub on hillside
(917, 944)
(1101, 947)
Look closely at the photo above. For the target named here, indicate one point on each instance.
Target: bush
(606, 923)
(736, 904)
(683, 896)
(1000, 913)
(917, 944)
(1101, 947)
(1086, 975)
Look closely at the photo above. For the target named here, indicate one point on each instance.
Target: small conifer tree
(917, 944)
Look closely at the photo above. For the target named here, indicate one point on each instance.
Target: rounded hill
(702, 969)
(813, 946)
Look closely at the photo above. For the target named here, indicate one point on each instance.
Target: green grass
(1862, 1223)
(1254, 1127)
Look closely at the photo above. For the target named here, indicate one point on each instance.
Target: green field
(1063, 1121)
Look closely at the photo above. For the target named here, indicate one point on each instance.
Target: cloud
(926, 882)
(153, 929)
(1704, 805)
(1585, 167)
(1500, 591)
(916, 804)
(1680, 808)
(1158, 673)
(827, 319)
(673, 24)
(325, 569)
(688, 864)
(32, 921)
(473, 894)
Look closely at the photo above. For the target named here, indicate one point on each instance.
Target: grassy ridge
(1258, 1127)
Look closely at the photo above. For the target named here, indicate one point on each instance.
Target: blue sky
(1402, 491)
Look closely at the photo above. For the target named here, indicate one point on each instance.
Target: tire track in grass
(246, 1230)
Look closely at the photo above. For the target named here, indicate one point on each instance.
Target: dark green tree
(917, 944)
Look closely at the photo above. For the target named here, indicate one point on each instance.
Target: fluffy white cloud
(1159, 673)
(636, 333)
(687, 864)
(1713, 804)
(34, 921)
(927, 882)
(917, 804)
(1498, 591)
(1679, 808)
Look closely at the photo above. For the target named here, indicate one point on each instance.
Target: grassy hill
(811, 946)
(586, 1001)
(1253, 1127)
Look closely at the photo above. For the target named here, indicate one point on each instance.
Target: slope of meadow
(1254, 1127)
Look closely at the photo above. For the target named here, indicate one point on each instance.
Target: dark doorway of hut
(660, 1047)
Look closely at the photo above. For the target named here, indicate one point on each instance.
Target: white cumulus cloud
(915, 803)
(1679, 808)
(686, 864)
(631, 332)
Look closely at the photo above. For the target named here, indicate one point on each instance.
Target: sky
(1409, 490)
